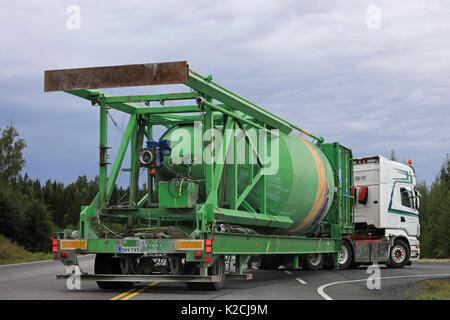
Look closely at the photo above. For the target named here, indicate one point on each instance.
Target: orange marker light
(410, 161)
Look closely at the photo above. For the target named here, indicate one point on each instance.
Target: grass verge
(435, 290)
(12, 253)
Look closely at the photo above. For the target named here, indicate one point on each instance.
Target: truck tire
(313, 261)
(399, 255)
(217, 269)
(105, 264)
(345, 257)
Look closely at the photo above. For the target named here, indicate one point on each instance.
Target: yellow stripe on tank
(321, 189)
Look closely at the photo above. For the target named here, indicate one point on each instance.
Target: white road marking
(321, 292)
(288, 272)
(300, 280)
(24, 263)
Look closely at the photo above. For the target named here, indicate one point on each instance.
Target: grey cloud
(313, 63)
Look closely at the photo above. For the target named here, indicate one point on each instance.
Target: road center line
(122, 294)
(321, 292)
(300, 280)
(140, 290)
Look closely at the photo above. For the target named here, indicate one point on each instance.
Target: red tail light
(55, 245)
(208, 246)
(363, 194)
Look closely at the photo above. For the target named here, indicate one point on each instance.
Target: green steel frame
(213, 105)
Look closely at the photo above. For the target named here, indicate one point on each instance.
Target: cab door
(403, 211)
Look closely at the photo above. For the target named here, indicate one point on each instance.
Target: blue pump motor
(163, 149)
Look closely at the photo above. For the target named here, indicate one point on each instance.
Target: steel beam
(169, 109)
(209, 80)
(153, 97)
(223, 110)
(142, 278)
(221, 155)
(103, 170)
(211, 89)
(116, 76)
(89, 94)
(226, 243)
(251, 218)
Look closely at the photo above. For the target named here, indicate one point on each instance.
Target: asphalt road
(37, 280)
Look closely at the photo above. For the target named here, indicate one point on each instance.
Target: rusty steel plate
(116, 76)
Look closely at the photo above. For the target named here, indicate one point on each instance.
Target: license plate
(129, 250)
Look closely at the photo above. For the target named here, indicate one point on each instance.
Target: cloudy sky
(373, 75)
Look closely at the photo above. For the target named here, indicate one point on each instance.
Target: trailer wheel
(313, 261)
(345, 257)
(105, 264)
(217, 269)
(399, 255)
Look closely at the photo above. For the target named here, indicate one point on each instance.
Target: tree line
(434, 213)
(30, 210)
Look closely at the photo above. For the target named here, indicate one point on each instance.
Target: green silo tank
(302, 188)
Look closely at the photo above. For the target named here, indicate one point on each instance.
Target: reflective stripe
(322, 194)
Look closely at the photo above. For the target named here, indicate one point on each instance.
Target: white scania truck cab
(386, 212)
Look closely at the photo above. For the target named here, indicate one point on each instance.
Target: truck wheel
(105, 264)
(345, 257)
(217, 269)
(313, 261)
(399, 255)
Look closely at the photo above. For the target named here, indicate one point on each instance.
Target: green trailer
(227, 181)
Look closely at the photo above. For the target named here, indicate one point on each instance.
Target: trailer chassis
(213, 105)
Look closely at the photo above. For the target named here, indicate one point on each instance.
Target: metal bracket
(97, 99)
(103, 154)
